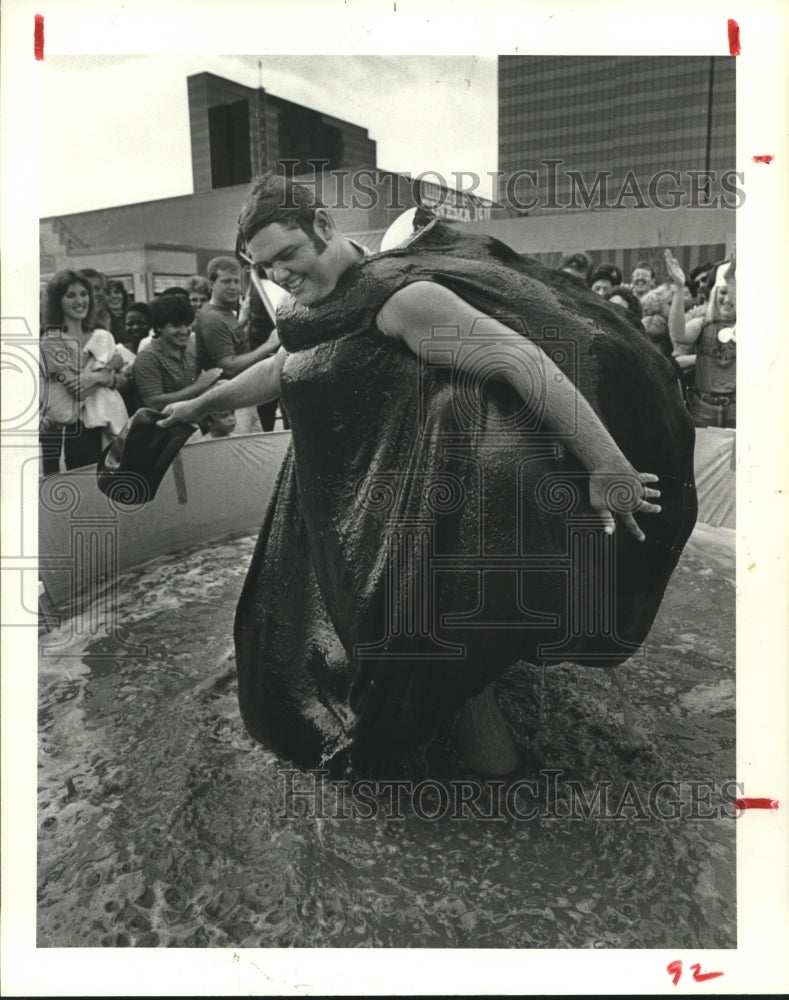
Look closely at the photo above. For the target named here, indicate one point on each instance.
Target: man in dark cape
(467, 429)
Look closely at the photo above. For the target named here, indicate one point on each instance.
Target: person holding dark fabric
(166, 371)
(457, 414)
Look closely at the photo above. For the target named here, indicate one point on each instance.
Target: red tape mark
(38, 38)
(734, 38)
(756, 803)
(764, 159)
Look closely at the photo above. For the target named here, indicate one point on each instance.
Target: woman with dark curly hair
(79, 404)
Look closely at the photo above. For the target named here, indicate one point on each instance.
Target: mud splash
(162, 824)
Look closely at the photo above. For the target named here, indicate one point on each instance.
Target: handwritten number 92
(674, 969)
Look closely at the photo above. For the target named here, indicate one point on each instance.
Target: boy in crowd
(222, 338)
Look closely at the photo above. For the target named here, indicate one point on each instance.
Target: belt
(705, 397)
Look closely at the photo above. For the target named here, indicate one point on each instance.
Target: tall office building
(239, 131)
(630, 116)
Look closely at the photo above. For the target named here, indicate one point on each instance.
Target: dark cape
(426, 530)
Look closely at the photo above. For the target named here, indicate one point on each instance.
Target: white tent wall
(221, 488)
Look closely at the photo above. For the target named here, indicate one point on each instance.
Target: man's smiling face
(307, 266)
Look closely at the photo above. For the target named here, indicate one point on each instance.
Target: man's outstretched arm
(258, 384)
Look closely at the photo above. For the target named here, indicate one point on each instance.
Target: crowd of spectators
(691, 319)
(105, 355)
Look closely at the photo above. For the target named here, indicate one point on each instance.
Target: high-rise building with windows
(585, 115)
(586, 131)
(239, 131)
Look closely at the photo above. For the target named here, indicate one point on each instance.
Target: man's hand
(621, 495)
(207, 378)
(186, 412)
(273, 344)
